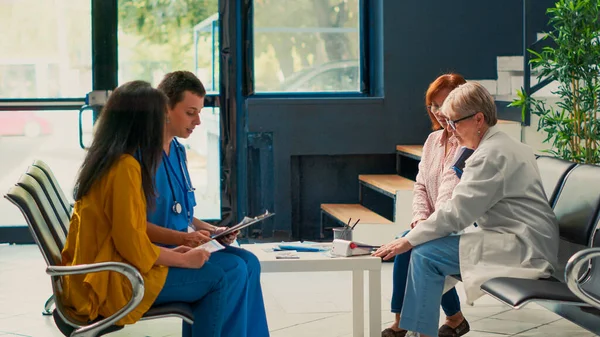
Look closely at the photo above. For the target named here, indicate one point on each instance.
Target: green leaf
(573, 63)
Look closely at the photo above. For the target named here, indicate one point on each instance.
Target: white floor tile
(482, 312)
(281, 320)
(501, 326)
(297, 304)
(528, 315)
(484, 334)
(30, 325)
(559, 328)
(338, 325)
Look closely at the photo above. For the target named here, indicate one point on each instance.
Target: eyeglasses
(433, 108)
(452, 123)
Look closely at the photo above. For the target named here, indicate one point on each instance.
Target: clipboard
(247, 221)
(459, 160)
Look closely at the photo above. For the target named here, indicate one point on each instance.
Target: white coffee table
(318, 261)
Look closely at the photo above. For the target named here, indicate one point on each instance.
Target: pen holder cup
(342, 233)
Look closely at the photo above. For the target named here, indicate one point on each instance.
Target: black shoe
(461, 329)
(389, 332)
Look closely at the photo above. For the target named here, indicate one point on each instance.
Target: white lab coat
(502, 192)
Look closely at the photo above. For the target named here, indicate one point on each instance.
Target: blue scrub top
(163, 214)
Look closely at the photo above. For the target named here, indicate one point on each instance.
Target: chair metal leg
(48, 306)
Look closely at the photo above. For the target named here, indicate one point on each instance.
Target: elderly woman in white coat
(500, 190)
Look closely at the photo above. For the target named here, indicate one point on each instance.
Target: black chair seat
(517, 292)
(171, 309)
(67, 329)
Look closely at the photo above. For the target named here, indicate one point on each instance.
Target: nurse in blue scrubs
(169, 221)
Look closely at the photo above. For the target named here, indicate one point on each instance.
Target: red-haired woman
(434, 185)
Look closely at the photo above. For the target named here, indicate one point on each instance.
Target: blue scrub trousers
(237, 310)
(255, 307)
(245, 309)
(450, 301)
(430, 263)
(205, 289)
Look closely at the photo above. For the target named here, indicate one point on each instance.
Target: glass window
(206, 49)
(51, 136)
(45, 48)
(157, 37)
(306, 45)
(203, 157)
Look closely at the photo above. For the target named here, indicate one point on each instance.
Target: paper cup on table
(342, 233)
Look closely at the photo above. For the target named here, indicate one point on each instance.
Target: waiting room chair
(38, 214)
(36, 191)
(553, 172)
(60, 214)
(53, 195)
(61, 206)
(68, 207)
(577, 283)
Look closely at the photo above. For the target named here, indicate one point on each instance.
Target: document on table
(290, 254)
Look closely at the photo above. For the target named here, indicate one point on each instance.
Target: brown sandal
(461, 329)
(389, 332)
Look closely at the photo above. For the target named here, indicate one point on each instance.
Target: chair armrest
(137, 287)
(572, 272)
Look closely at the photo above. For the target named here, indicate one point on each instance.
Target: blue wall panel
(411, 43)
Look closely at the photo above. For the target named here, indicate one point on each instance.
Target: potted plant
(572, 124)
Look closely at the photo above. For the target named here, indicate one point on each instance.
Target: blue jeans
(450, 300)
(254, 309)
(204, 289)
(430, 263)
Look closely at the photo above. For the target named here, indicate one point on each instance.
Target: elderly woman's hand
(393, 248)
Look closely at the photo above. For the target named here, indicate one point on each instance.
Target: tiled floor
(297, 305)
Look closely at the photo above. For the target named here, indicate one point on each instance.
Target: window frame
(249, 90)
(38, 104)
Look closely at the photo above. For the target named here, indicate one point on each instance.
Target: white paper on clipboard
(247, 221)
(211, 246)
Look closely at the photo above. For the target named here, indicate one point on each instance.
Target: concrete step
(511, 128)
(540, 36)
(510, 78)
(490, 85)
(509, 64)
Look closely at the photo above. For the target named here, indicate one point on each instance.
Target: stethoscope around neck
(177, 208)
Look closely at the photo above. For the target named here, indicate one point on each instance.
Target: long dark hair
(132, 120)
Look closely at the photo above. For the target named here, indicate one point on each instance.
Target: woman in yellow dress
(112, 192)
